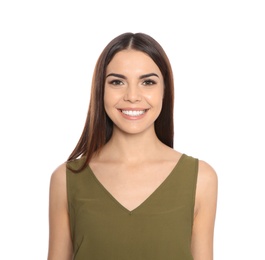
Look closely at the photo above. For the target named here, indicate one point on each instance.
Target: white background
(48, 50)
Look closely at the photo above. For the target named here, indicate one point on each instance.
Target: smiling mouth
(133, 112)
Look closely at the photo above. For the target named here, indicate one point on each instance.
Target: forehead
(132, 60)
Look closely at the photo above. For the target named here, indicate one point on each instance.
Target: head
(98, 127)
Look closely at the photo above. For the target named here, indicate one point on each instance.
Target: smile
(133, 112)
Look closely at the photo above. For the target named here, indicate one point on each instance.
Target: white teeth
(133, 112)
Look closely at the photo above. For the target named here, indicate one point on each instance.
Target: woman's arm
(204, 214)
(60, 244)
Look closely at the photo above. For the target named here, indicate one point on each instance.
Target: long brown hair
(98, 126)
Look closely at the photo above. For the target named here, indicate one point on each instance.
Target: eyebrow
(123, 77)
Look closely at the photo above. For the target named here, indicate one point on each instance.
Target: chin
(134, 130)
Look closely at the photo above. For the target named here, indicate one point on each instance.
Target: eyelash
(149, 82)
(116, 82)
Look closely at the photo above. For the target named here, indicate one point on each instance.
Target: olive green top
(159, 229)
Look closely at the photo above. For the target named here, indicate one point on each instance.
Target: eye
(149, 82)
(116, 82)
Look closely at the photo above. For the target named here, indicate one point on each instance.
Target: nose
(132, 94)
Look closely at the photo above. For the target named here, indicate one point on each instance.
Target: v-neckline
(156, 190)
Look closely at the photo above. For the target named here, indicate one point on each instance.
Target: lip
(133, 117)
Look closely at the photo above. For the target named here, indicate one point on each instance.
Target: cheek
(111, 98)
(156, 98)
(106, 101)
(107, 105)
(108, 97)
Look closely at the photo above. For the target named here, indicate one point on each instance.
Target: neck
(132, 147)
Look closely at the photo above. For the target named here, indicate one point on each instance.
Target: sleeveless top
(159, 229)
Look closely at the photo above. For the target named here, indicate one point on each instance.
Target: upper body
(134, 160)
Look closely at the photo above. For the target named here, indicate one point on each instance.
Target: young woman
(124, 192)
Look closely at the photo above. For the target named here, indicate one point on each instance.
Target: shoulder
(206, 174)
(207, 185)
(58, 183)
(204, 212)
(60, 246)
(58, 191)
(167, 153)
(59, 175)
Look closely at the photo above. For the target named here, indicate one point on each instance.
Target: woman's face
(134, 88)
